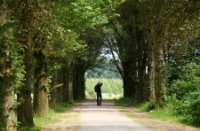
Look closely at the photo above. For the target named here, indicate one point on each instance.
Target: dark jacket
(98, 87)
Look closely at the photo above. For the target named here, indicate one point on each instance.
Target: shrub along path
(110, 118)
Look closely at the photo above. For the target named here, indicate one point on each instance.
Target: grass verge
(54, 115)
(163, 114)
(29, 129)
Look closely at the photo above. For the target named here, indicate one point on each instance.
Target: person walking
(97, 89)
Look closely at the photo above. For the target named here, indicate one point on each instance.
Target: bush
(147, 106)
(189, 82)
(185, 94)
(190, 108)
(125, 102)
(171, 102)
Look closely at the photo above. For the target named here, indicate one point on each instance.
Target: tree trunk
(7, 114)
(40, 90)
(65, 92)
(128, 80)
(56, 90)
(79, 81)
(24, 36)
(151, 71)
(130, 47)
(25, 112)
(142, 64)
(82, 84)
(11, 120)
(68, 81)
(159, 76)
(65, 74)
(156, 60)
(52, 98)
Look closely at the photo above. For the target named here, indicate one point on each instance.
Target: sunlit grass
(111, 89)
(165, 115)
(50, 118)
(29, 129)
(54, 115)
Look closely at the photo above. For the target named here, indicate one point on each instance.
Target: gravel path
(90, 117)
(95, 118)
(106, 118)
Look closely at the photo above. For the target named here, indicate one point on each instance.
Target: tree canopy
(46, 48)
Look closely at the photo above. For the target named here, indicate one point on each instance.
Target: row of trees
(45, 49)
(143, 34)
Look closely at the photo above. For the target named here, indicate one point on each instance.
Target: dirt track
(109, 118)
(96, 118)
(106, 118)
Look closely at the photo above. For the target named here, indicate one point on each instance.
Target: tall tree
(165, 18)
(24, 13)
(128, 12)
(7, 115)
(141, 31)
(42, 49)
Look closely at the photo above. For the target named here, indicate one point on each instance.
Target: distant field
(112, 88)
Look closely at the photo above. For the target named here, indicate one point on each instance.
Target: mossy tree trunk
(159, 76)
(25, 112)
(53, 89)
(25, 16)
(68, 78)
(151, 71)
(156, 63)
(70, 81)
(10, 115)
(40, 89)
(7, 113)
(56, 89)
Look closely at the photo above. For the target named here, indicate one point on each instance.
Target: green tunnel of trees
(47, 46)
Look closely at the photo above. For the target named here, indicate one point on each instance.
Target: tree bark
(70, 81)
(25, 16)
(40, 90)
(25, 112)
(156, 61)
(11, 120)
(151, 71)
(7, 114)
(159, 76)
(56, 90)
(68, 74)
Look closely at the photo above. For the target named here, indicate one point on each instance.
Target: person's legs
(98, 98)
